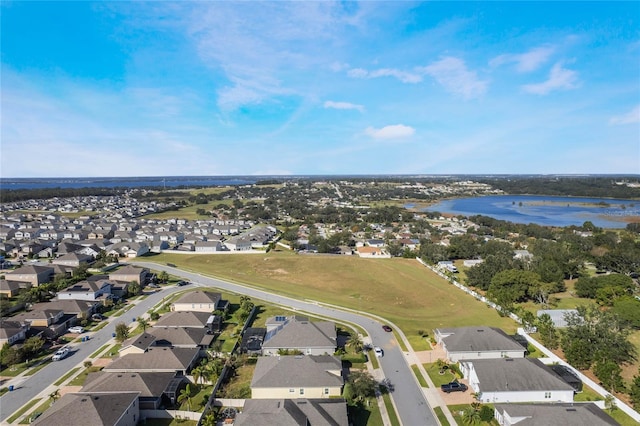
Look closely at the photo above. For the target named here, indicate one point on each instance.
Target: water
(544, 210)
(126, 182)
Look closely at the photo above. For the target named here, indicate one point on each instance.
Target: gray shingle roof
(299, 412)
(297, 371)
(148, 384)
(200, 297)
(303, 334)
(181, 336)
(478, 339)
(579, 414)
(155, 359)
(516, 374)
(183, 319)
(81, 409)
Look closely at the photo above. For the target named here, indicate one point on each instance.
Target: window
(547, 395)
(326, 391)
(292, 390)
(301, 391)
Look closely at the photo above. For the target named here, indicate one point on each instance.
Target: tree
(355, 342)
(471, 416)
(32, 347)
(143, 323)
(9, 355)
(54, 396)
(609, 374)
(133, 289)
(122, 332)
(163, 277)
(547, 330)
(363, 386)
(634, 391)
(186, 396)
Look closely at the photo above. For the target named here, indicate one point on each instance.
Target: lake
(545, 210)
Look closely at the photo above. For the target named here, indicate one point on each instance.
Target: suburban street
(33, 386)
(410, 402)
(408, 397)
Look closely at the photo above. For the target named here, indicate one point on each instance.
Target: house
(557, 315)
(81, 409)
(515, 380)
(447, 265)
(477, 343)
(46, 320)
(182, 337)
(86, 290)
(154, 389)
(137, 344)
(73, 259)
(12, 331)
(9, 288)
(372, 252)
(522, 255)
(156, 359)
(130, 273)
(33, 274)
(238, 244)
(199, 301)
(296, 333)
(73, 307)
(208, 246)
(299, 412)
(185, 319)
(293, 377)
(580, 414)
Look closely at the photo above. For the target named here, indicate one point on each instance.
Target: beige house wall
(295, 392)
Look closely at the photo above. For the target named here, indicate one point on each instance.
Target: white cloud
(559, 79)
(394, 131)
(453, 75)
(630, 117)
(403, 76)
(525, 62)
(343, 105)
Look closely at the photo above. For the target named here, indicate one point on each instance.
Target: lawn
(400, 290)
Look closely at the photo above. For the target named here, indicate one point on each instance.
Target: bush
(486, 413)
(154, 316)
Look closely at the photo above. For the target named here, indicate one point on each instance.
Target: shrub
(486, 413)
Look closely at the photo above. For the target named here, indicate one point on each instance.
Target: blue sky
(259, 88)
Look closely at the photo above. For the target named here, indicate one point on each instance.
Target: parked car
(60, 354)
(97, 317)
(387, 328)
(453, 387)
(76, 329)
(379, 352)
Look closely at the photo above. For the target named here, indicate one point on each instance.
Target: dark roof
(516, 374)
(297, 333)
(297, 371)
(478, 339)
(155, 359)
(576, 414)
(298, 412)
(252, 339)
(81, 409)
(147, 384)
(200, 297)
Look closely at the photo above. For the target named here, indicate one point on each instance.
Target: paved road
(409, 399)
(32, 386)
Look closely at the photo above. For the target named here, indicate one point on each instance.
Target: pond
(545, 210)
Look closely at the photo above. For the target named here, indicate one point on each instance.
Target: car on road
(387, 328)
(181, 283)
(453, 387)
(76, 329)
(60, 354)
(378, 351)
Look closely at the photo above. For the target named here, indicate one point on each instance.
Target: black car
(387, 328)
(181, 283)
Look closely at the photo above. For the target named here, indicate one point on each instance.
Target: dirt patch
(101, 362)
(69, 389)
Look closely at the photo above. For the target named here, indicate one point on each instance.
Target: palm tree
(355, 342)
(197, 373)
(471, 416)
(185, 395)
(143, 323)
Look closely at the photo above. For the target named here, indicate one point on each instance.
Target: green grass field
(400, 290)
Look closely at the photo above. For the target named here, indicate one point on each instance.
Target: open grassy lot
(401, 290)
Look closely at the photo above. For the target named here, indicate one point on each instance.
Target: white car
(76, 329)
(379, 352)
(60, 354)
